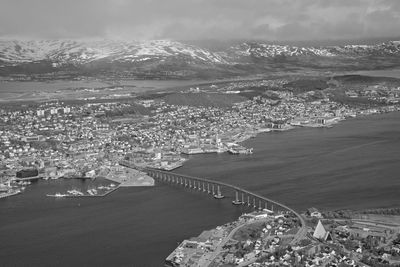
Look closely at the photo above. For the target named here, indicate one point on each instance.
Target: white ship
(58, 195)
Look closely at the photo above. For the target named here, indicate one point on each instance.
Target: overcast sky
(200, 19)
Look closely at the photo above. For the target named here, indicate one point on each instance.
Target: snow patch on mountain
(262, 50)
(74, 52)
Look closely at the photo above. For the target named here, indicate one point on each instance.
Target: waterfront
(354, 164)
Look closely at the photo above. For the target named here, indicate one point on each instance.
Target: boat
(233, 151)
(264, 130)
(58, 195)
(75, 192)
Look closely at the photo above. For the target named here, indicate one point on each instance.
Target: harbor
(100, 191)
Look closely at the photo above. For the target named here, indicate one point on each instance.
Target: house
(313, 212)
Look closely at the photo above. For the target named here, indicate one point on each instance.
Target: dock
(88, 196)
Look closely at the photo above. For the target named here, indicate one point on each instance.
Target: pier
(98, 195)
(88, 196)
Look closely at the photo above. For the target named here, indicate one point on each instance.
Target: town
(92, 138)
(265, 238)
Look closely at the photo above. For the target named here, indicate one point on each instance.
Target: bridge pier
(242, 198)
(236, 201)
(208, 188)
(219, 194)
(248, 200)
(254, 202)
(213, 191)
(259, 205)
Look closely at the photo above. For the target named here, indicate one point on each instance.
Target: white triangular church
(321, 233)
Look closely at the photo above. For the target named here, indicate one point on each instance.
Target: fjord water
(355, 165)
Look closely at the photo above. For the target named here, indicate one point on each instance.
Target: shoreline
(290, 127)
(359, 117)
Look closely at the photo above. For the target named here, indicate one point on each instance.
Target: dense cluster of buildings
(88, 138)
(261, 239)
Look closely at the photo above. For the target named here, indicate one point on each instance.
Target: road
(208, 260)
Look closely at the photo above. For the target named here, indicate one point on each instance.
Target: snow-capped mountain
(262, 50)
(270, 51)
(78, 52)
(163, 56)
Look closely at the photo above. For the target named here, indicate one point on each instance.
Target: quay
(29, 179)
(88, 196)
(99, 195)
(9, 194)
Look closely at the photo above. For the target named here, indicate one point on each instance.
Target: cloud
(200, 19)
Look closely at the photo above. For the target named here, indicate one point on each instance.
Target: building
(313, 212)
(321, 234)
(27, 173)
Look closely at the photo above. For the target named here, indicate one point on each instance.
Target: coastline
(273, 152)
(245, 136)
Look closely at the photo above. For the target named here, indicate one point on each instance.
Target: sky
(273, 20)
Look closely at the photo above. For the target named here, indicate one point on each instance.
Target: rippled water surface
(354, 165)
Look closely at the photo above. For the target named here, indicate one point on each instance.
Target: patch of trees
(387, 211)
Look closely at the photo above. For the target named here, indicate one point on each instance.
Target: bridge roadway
(203, 185)
(180, 179)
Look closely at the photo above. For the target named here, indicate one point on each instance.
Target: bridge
(215, 188)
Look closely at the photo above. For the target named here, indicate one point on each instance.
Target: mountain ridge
(167, 55)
